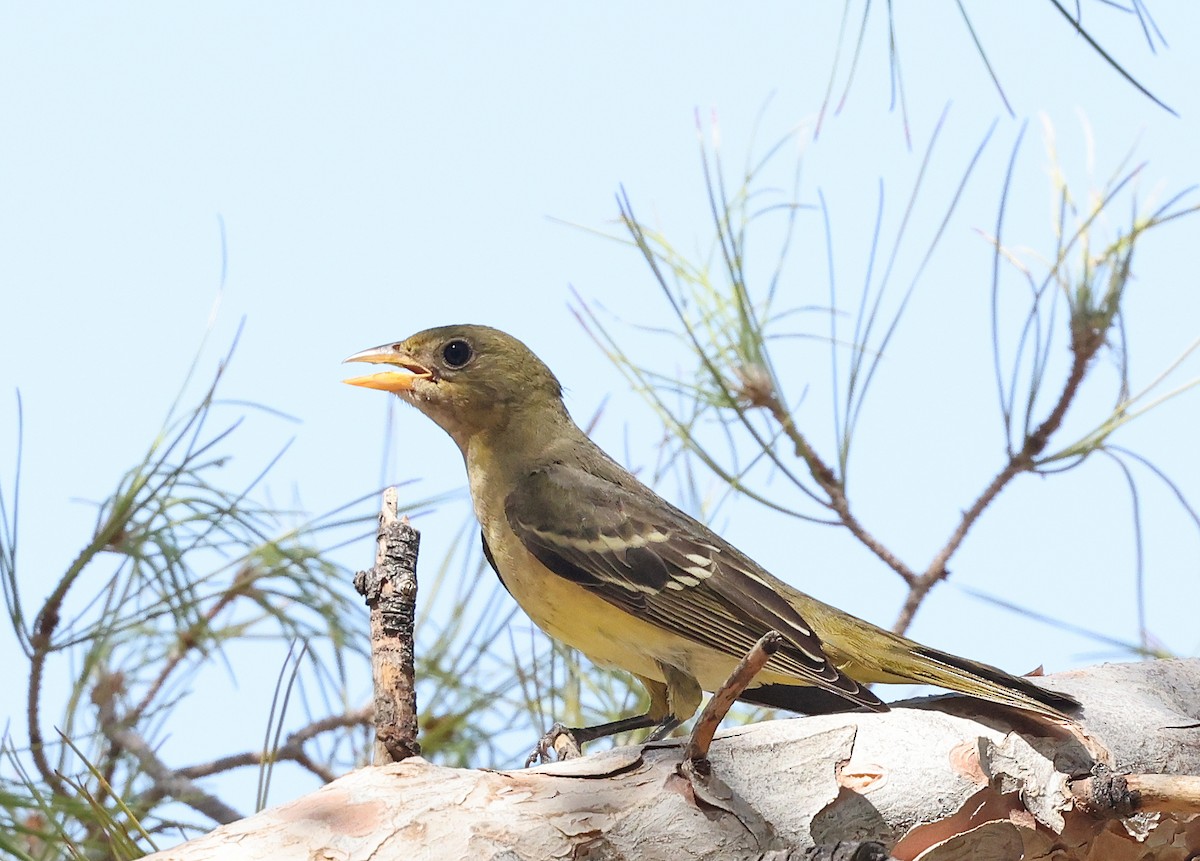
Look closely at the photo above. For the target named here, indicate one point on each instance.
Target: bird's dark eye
(457, 353)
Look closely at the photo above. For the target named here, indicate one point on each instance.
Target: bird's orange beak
(389, 381)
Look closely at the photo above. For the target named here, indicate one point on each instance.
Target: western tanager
(602, 563)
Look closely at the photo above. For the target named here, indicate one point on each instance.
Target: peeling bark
(943, 779)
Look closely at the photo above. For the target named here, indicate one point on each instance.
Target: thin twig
(41, 643)
(167, 781)
(1021, 461)
(838, 502)
(724, 697)
(292, 750)
(187, 641)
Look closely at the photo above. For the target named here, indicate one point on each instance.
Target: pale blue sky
(380, 168)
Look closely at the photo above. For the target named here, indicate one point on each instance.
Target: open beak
(389, 381)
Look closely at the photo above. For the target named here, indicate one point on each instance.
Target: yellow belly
(605, 633)
(576, 616)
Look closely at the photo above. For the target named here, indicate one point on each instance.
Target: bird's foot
(559, 739)
(665, 727)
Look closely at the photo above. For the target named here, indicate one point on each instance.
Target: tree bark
(940, 779)
(390, 590)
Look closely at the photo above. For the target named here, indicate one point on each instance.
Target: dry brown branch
(292, 750)
(1083, 351)
(1117, 796)
(1024, 460)
(166, 781)
(838, 502)
(390, 590)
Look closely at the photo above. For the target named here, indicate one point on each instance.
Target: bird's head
(466, 378)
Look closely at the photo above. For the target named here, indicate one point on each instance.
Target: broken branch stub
(390, 591)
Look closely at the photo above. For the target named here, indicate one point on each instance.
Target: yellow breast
(574, 615)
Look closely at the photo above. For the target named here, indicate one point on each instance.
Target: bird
(603, 564)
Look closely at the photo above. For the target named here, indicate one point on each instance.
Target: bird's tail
(868, 653)
(977, 679)
(923, 665)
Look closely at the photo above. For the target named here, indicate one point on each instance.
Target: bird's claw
(559, 739)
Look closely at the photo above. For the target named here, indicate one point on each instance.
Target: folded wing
(649, 559)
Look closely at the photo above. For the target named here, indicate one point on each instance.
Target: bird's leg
(573, 738)
(660, 715)
(664, 728)
(681, 695)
